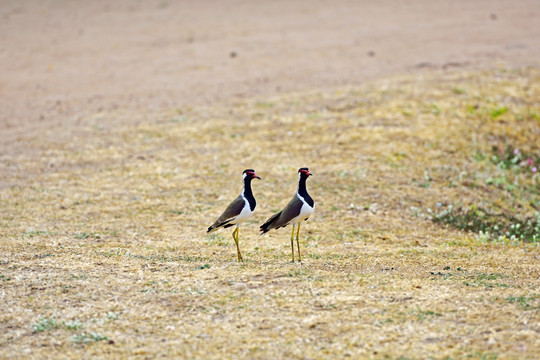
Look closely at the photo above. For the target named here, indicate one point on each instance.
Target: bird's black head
(250, 174)
(304, 172)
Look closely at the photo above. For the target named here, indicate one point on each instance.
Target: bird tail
(268, 224)
(217, 225)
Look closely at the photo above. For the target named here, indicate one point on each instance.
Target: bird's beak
(256, 176)
(309, 174)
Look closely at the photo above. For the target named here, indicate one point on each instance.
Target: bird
(239, 210)
(299, 208)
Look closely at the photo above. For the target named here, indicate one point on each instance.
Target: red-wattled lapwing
(299, 208)
(239, 210)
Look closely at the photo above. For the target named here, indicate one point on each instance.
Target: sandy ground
(87, 213)
(63, 60)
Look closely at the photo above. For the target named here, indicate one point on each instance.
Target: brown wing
(232, 211)
(284, 217)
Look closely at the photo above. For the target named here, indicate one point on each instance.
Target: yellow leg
(297, 243)
(292, 243)
(235, 237)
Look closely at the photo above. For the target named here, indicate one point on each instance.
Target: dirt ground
(64, 60)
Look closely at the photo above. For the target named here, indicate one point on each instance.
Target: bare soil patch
(62, 61)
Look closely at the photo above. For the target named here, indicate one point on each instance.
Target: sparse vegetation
(86, 235)
(50, 323)
(425, 229)
(84, 338)
(73, 325)
(531, 302)
(45, 324)
(501, 227)
(34, 233)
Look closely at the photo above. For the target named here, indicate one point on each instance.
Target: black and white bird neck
(302, 193)
(247, 193)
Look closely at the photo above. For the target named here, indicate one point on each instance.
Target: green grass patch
(50, 323)
(526, 302)
(495, 113)
(46, 324)
(494, 226)
(87, 338)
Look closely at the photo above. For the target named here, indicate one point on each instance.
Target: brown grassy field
(104, 252)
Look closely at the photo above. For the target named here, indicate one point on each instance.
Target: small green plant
(84, 338)
(45, 324)
(425, 314)
(85, 235)
(176, 212)
(436, 110)
(33, 233)
(487, 280)
(112, 316)
(488, 276)
(526, 302)
(495, 113)
(427, 180)
(50, 323)
(296, 272)
(79, 277)
(73, 325)
(483, 356)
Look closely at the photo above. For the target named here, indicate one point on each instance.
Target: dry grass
(103, 250)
